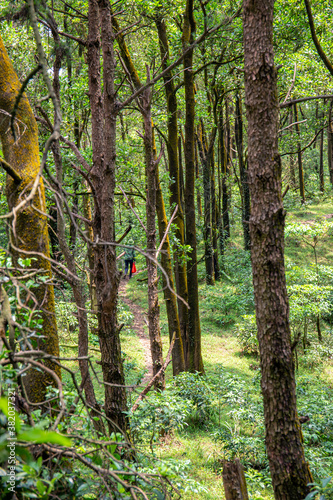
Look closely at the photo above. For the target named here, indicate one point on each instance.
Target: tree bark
(205, 153)
(234, 482)
(104, 113)
(195, 358)
(224, 172)
(330, 142)
(68, 253)
(215, 221)
(178, 360)
(243, 174)
(289, 470)
(321, 162)
(299, 157)
(152, 186)
(291, 158)
(31, 232)
(175, 185)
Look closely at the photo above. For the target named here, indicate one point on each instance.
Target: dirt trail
(139, 327)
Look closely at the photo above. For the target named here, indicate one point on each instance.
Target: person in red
(129, 258)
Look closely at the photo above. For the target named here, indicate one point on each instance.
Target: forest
(166, 235)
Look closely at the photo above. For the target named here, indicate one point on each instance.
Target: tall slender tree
(289, 470)
(195, 358)
(104, 112)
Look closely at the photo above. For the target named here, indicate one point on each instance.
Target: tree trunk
(103, 178)
(31, 232)
(299, 157)
(224, 172)
(205, 152)
(243, 174)
(178, 360)
(330, 142)
(195, 359)
(234, 482)
(291, 158)
(289, 471)
(215, 221)
(181, 172)
(174, 157)
(152, 186)
(321, 163)
(68, 253)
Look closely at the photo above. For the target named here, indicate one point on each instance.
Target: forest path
(139, 327)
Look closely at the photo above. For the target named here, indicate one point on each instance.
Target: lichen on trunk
(29, 236)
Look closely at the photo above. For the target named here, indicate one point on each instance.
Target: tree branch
(11, 171)
(319, 48)
(158, 374)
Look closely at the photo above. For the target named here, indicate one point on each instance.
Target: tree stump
(234, 481)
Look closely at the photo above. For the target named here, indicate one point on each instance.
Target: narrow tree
(195, 359)
(299, 156)
(174, 160)
(289, 470)
(243, 173)
(103, 120)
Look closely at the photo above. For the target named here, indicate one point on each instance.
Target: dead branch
(158, 374)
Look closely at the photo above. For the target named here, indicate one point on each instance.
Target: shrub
(246, 332)
(193, 388)
(157, 415)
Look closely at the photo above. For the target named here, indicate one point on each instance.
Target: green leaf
(311, 495)
(325, 481)
(41, 487)
(4, 407)
(39, 436)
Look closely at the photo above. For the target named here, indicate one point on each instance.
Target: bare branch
(158, 374)
(134, 212)
(166, 231)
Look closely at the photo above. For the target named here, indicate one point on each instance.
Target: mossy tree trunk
(205, 152)
(178, 360)
(152, 187)
(289, 470)
(30, 234)
(175, 184)
(195, 358)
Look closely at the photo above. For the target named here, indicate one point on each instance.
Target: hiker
(129, 258)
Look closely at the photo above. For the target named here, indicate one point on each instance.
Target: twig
(158, 374)
(134, 212)
(292, 84)
(166, 231)
(11, 171)
(19, 96)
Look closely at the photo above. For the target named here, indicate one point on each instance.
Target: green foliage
(159, 414)
(246, 332)
(323, 488)
(193, 388)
